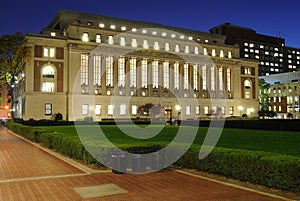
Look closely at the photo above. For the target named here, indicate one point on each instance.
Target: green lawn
(281, 142)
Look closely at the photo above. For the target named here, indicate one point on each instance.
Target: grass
(282, 142)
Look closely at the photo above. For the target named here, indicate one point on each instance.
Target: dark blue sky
(270, 17)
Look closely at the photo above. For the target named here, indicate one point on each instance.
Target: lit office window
(156, 45)
(52, 52)
(195, 77)
(167, 46)
(134, 110)
(212, 78)
(122, 41)
(85, 37)
(121, 72)
(155, 74)
(204, 78)
(98, 38)
(98, 109)
(221, 79)
(176, 75)
(144, 73)
(221, 53)
(229, 54)
(110, 109)
(186, 76)
(145, 44)
(109, 71)
(97, 69)
(251, 45)
(85, 109)
(228, 72)
(166, 75)
(132, 72)
(84, 69)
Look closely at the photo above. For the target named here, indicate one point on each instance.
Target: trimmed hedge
(268, 169)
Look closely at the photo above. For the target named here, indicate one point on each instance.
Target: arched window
(48, 81)
(247, 86)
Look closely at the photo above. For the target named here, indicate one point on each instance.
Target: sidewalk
(29, 173)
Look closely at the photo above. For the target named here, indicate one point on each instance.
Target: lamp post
(240, 108)
(178, 108)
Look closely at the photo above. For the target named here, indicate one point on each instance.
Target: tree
(13, 55)
(264, 100)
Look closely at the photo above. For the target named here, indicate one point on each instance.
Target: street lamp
(178, 108)
(240, 108)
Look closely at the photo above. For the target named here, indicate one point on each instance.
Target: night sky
(270, 17)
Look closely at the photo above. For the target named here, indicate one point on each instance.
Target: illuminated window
(98, 38)
(228, 75)
(134, 110)
(195, 77)
(176, 75)
(97, 69)
(144, 73)
(85, 37)
(133, 43)
(204, 87)
(122, 41)
(279, 108)
(177, 48)
(52, 52)
(167, 46)
(133, 29)
(123, 28)
(101, 25)
(246, 44)
(132, 72)
(197, 110)
(166, 75)
(48, 109)
(110, 109)
(122, 109)
(154, 32)
(205, 51)
(144, 31)
(186, 76)
(247, 85)
(212, 78)
(49, 52)
(113, 26)
(156, 45)
(247, 71)
(98, 109)
(121, 72)
(206, 110)
(213, 52)
(206, 41)
(110, 40)
(173, 35)
(53, 34)
(109, 71)
(231, 110)
(223, 110)
(84, 69)
(251, 45)
(188, 110)
(145, 44)
(181, 37)
(187, 49)
(190, 38)
(196, 50)
(48, 75)
(155, 74)
(164, 34)
(221, 53)
(221, 79)
(85, 109)
(229, 54)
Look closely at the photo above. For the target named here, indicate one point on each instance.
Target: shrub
(58, 117)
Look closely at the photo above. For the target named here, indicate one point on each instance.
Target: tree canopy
(264, 100)
(12, 56)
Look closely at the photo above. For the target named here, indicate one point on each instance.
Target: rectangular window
(155, 74)
(195, 77)
(206, 109)
(84, 69)
(186, 76)
(85, 109)
(177, 49)
(122, 109)
(97, 70)
(156, 45)
(49, 52)
(213, 52)
(279, 108)
(212, 78)
(231, 110)
(121, 72)
(204, 86)
(109, 71)
(167, 46)
(188, 110)
(228, 80)
(133, 42)
(197, 110)
(85, 37)
(110, 109)
(166, 75)
(122, 41)
(48, 109)
(134, 110)
(52, 52)
(229, 54)
(221, 79)
(279, 99)
(223, 108)
(48, 87)
(145, 44)
(98, 109)
(205, 51)
(196, 50)
(187, 49)
(110, 40)
(98, 38)
(132, 72)
(176, 75)
(221, 53)
(144, 73)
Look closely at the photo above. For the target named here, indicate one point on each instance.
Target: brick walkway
(28, 173)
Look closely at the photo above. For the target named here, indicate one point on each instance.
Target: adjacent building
(271, 53)
(284, 94)
(91, 65)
